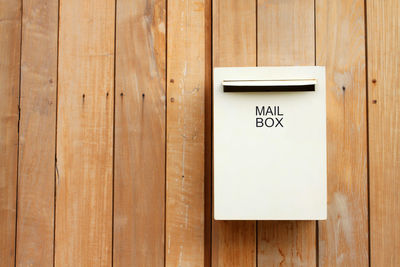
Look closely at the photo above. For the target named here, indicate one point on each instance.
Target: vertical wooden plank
(85, 133)
(10, 36)
(383, 25)
(340, 46)
(186, 77)
(234, 33)
(37, 133)
(234, 44)
(285, 33)
(286, 37)
(139, 187)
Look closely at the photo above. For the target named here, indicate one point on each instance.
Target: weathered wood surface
(186, 72)
(234, 44)
(10, 40)
(340, 46)
(85, 134)
(138, 191)
(139, 181)
(383, 25)
(38, 102)
(285, 33)
(286, 37)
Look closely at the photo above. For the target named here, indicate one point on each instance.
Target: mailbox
(269, 143)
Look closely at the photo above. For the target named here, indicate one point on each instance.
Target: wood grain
(139, 185)
(286, 37)
(286, 243)
(85, 133)
(340, 46)
(285, 32)
(234, 44)
(234, 33)
(186, 69)
(150, 142)
(383, 25)
(37, 133)
(10, 38)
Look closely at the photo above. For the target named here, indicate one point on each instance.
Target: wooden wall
(105, 130)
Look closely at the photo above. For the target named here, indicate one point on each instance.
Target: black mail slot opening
(269, 88)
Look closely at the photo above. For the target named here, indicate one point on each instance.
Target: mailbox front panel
(269, 136)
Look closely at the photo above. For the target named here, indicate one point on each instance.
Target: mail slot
(269, 143)
(269, 86)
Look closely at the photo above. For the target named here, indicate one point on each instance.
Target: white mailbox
(269, 127)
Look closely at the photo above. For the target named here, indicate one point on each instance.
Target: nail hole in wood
(374, 101)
